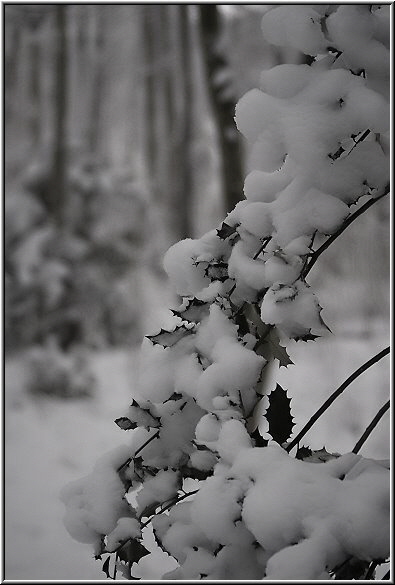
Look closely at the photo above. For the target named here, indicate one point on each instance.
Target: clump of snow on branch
(222, 502)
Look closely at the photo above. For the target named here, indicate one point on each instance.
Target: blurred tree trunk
(150, 112)
(58, 179)
(34, 92)
(97, 81)
(223, 104)
(182, 164)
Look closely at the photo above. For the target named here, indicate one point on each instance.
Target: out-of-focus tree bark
(184, 126)
(58, 179)
(150, 112)
(97, 81)
(223, 104)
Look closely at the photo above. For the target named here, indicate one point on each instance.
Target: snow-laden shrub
(56, 374)
(223, 501)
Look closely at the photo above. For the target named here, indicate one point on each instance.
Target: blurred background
(119, 141)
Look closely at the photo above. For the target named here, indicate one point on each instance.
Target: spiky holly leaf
(259, 440)
(321, 455)
(270, 348)
(351, 569)
(106, 568)
(215, 270)
(125, 424)
(303, 452)
(170, 338)
(225, 231)
(278, 415)
(132, 551)
(193, 311)
(306, 337)
(175, 396)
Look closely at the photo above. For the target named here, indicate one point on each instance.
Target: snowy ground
(50, 442)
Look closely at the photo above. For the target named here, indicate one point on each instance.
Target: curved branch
(334, 395)
(314, 257)
(371, 427)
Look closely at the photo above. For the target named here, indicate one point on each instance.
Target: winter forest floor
(50, 442)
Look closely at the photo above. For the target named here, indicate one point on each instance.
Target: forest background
(119, 141)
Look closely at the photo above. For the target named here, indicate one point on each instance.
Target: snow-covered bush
(53, 373)
(78, 284)
(224, 501)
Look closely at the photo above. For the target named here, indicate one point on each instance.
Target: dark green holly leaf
(193, 311)
(337, 154)
(306, 337)
(106, 567)
(216, 270)
(270, 348)
(259, 440)
(278, 351)
(194, 473)
(175, 396)
(132, 551)
(226, 231)
(303, 452)
(278, 415)
(125, 424)
(320, 456)
(170, 338)
(352, 569)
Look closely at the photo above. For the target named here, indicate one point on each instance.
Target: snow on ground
(50, 442)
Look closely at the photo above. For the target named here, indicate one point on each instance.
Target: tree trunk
(58, 187)
(223, 104)
(184, 132)
(96, 107)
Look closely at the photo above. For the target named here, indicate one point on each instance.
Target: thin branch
(371, 427)
(334, 395)
(314, 257)
(130, 459)
(371, 570)
(263, 246)
(173, 502)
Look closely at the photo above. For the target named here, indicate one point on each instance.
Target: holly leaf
(215, 270)
(320, 456)
(278, 415)
(225, 231)
(170, 338)
(303, 453)
(125, 424)
(132, 551)
(193, 312)
(106, 567)
(259, 440)
(270, 348)
(306, 337)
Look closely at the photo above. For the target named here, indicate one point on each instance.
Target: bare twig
(371, 427)
(172, 503)
(314, 257)
(130, 459)
(370, 571)
(334, 395)
(263, 246)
